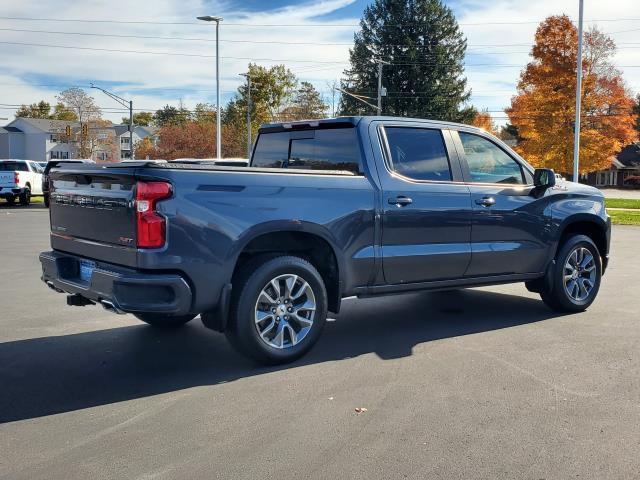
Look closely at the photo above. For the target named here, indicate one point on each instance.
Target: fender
(277, 226)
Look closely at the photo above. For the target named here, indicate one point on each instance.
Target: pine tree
(425, 49)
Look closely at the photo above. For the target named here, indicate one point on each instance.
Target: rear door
(426, 206)
(509, 232)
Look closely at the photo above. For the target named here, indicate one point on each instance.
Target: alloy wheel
(285, 311)
(579, 274)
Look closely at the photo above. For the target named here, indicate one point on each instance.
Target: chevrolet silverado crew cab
(356, 206)
(19, 179)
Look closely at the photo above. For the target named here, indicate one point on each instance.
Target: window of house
(418, 153)
(488, 163)
(323, 149)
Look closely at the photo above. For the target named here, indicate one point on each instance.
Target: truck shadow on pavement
(50, 375)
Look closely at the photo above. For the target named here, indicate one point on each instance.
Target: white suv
(19, 179)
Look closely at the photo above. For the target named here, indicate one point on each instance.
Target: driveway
(480, 383)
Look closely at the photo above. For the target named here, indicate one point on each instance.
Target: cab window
(418, 153)
(322, 149)
(488, 163)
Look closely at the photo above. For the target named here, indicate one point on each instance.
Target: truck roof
(342, 122)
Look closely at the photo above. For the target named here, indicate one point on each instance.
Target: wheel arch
(308, 240)
(589, 225)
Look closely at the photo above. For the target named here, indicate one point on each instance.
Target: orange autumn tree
(544, 108)
(483, 120)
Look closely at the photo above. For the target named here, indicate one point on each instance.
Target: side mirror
(544, 178)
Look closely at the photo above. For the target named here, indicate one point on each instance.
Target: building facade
(624, 171)
(43, 140)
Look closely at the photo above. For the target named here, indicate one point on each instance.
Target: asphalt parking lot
(481, 383)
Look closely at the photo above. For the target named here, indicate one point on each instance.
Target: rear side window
(330, 149)
(14, 166)
(418, 153)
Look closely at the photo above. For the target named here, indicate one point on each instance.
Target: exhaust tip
(110, 306)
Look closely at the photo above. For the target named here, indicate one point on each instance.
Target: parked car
(19, 179)
(45, 174)
(332, 208)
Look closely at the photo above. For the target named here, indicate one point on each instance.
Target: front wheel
(164, 321)
(278, 309)
(576, 276)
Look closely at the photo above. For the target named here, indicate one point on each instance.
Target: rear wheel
(11, 200)
(164, 321)
(25, 197)
(576, 276)
(278, 309)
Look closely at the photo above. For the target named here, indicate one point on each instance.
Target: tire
(164, 321)
(575, 250)
(25, 197)
(11, 200)
(289, 326)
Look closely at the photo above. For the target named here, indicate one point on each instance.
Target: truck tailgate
(92, 213)
(7, 180)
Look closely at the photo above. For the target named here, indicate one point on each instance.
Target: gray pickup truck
(357, 206)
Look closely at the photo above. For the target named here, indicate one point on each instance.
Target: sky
(156, 53)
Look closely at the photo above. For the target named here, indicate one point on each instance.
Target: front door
(426, 207)
(510, 227)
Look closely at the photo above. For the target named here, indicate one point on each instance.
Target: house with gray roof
(43, 140)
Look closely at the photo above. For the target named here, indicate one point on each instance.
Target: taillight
(16, 178)
(151, 227)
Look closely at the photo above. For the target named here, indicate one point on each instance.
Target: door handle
(400, 201)
(486, 201)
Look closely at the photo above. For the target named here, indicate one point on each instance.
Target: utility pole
(248, 113)
(576, 131)
(379, 88)
(382, 92)
(131, 128)
(209, 18)
(124, 103)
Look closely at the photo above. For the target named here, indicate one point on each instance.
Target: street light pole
(209, 18)
(576, 129)
(124, 103)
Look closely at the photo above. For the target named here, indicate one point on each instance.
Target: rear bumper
(126, 289)
(8, 192)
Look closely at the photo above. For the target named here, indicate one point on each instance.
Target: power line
(262, 42)
(290, 60)
(256, 42)
(470, 50)
(297, 25)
